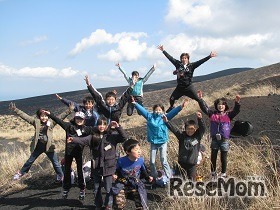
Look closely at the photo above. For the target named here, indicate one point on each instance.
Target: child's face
(190, 130)
(102, 127)
(185, 60)
(135, 77)
(110, 101)
(79, 121)
(88, 105)
(135, 152)
(221, 107)
(44, 118)
(158, 110)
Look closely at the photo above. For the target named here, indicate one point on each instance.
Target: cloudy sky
(48, 46)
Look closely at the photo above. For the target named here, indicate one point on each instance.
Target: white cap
(80, 115)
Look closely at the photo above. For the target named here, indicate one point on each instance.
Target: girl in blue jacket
(157, 133)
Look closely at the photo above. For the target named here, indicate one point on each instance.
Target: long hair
(221, 100)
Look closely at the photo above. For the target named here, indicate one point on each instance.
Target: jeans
(98, 201)
(41, 148)
(163, 159)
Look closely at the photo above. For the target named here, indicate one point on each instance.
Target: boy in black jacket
(184, 71)
(103, 143)
(109, 108)
(189, 145)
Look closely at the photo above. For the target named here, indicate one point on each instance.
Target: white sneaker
(17, 176)
(223, 175)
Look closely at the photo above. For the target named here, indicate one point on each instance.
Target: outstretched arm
(23, 115)
(176, 110)
(174, 61)
(203, 106)
(67, 102)
(236, 108)
(122, 71)
(201, 125)
(95, 94)
(149, 73)
(171, 127)
(203, 60)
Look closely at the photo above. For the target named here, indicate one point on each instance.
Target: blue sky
(48, 46)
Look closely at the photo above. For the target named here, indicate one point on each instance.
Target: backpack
(241, 128)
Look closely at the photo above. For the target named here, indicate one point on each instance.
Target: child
(109, 108)
(103, 144)
(42, 141)
(158, 134)
(184, 71)
(87, 108)
(189, 145)
(220, 119)
(129, 169)
(76, 127)
(138, 82)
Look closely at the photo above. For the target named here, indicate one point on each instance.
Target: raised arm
(149, 73)
(176, 110)
(172, 128)
(122, 71)
(203, 60)
(141, 110)
(23, 115)
(121, 136)
(95, 94)
(201, 125)
(236, 108)
(67, 102)
(85, 141)
(174, 61)
(203, 106)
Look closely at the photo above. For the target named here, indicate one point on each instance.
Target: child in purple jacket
(220, 120)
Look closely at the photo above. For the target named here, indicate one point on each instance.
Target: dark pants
(214, 154)
(98, 201)
(130, 106)
(186, 171)
(67, 173)
(188, 91)
(41, 148)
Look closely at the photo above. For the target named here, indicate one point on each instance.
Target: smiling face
(190, 130)
(44, 118)
(110, 100)
(221, 107)
(102, 126)
(79, 121)
(184, 59)
(88, 105)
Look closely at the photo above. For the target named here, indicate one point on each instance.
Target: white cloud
(35, 40)
(38, 72)
(128, 47)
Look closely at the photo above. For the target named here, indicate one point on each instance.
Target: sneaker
(65, 194)
(17, 176)
(223, 175)
(213, 176)
(82, 194)
(59, 178)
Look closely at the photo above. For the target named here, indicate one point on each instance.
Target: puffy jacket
(157, 132)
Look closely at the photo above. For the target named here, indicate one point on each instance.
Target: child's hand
(164, 118)
(69, 139)
(132, 100)
(87, 80)
(58, 96)
(114, 176)
(185, 102)
(46, 112)
(118, 65)
(115, 91)
(12, 106)
(71, 106)
(151, 178)
(237, 98)
(160, 47)
(199, 115)
(213, 54)
(199, 94)
(155, 65)
(114, 124)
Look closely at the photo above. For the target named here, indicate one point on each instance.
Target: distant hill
(30, 105)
